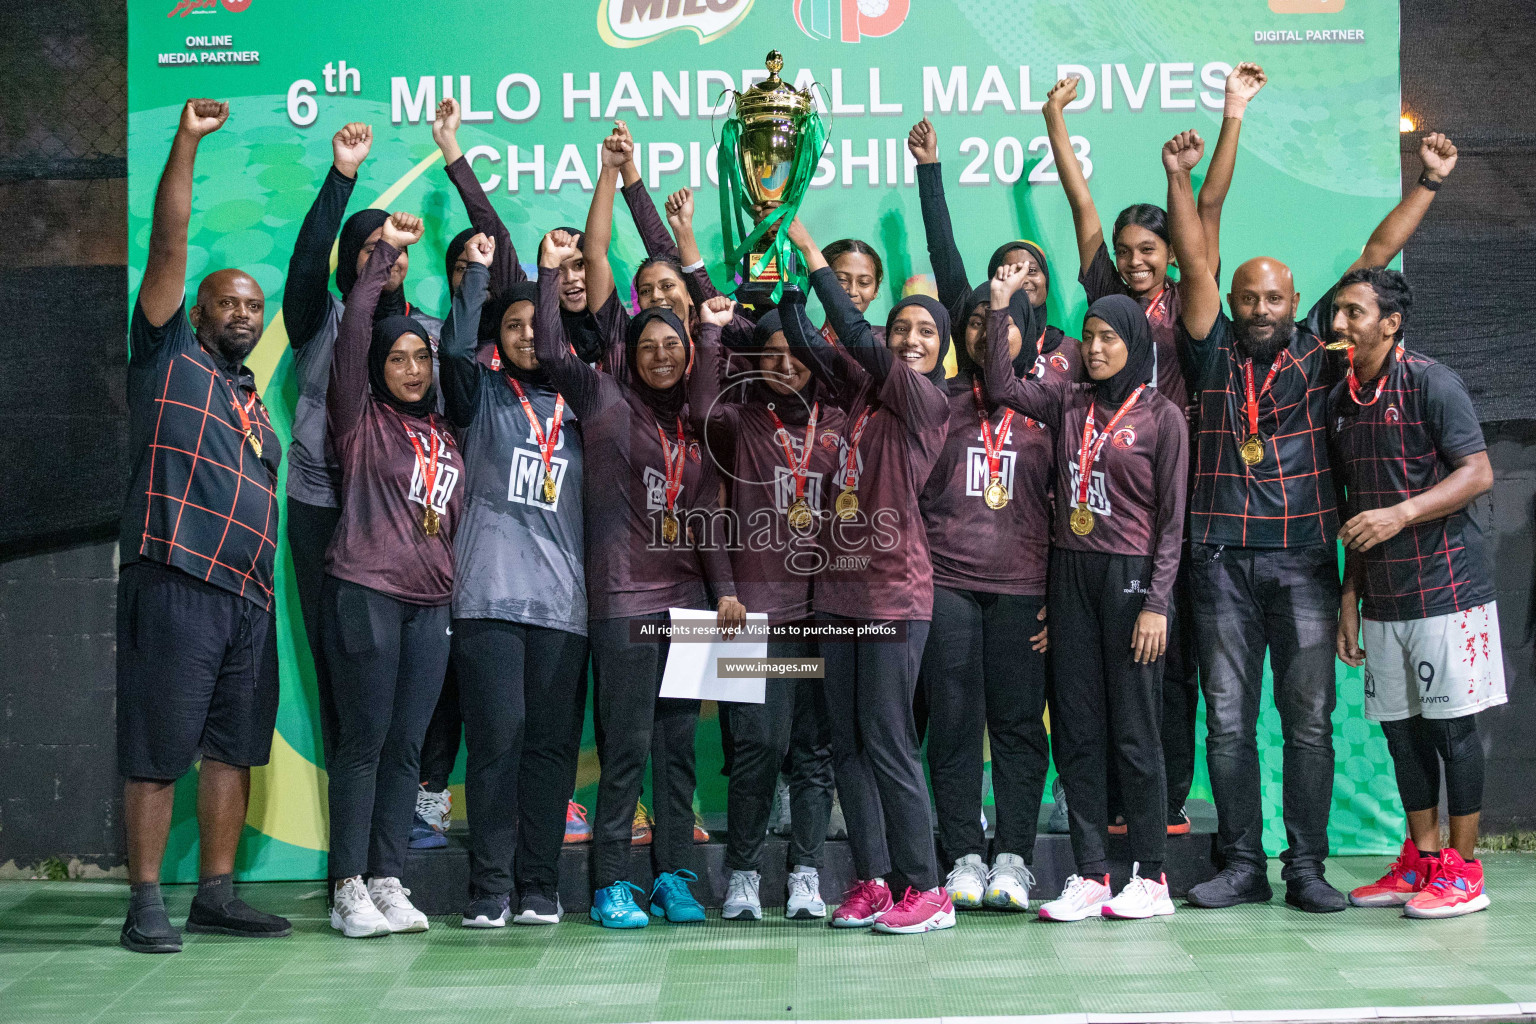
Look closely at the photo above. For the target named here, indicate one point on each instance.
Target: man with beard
(196, 632)
(1262, 530)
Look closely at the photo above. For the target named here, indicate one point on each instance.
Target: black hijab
(941, 320)
(1028, 319)
(386, 331)
(1053, 335)
(791, 410)
(1122, 313)
(455, 247)
(581, 326)
(667, 404)
(354, 235)
(491, 314)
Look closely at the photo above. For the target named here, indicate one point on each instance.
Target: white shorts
(1445, 666)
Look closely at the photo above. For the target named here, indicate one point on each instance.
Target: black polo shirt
(1287, 499)
(1405, 441)
(200, 499)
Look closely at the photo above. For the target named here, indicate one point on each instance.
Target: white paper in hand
(692, 666)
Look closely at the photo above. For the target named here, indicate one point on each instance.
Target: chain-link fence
(63, 111)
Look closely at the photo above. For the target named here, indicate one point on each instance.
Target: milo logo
(637, 22)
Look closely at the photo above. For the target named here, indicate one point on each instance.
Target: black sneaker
(487, 910)
(537, 908)
(1231, 887)
(1314, 895)
(150, 931)
(235, 917)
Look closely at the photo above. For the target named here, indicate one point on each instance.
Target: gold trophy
(768, 153)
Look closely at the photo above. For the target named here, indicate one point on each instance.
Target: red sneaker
(1119, 828)
(577, 829)
(1456, 888)
(862, 905)
(925, 910)
(1409, 874)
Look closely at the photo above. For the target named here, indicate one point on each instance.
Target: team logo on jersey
(442, 488)
(693, 451)
(1060, 362)
(857, 18)
(1033, 424)
(829, 440)
(1125, 437)
(637, 22)
(1098, 491)
(978, 474)
(655, 483)
(1392, 414)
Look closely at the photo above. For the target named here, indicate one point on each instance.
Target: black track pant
(309, 533)
(1107, 707)
(524, 692)
(445, 733)
(869, 687)
(636, 724)
(386, 661)
(979, 676)
(791, 724)
(1420, 745)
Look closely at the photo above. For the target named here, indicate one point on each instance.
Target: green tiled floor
(59, 962)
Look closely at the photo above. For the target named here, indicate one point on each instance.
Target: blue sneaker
(425, 837)
(671, 898)
(615, 907)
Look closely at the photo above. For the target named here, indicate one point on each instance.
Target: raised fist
(717, 310)
(203, 117)
(446, 124)
(1008, 279)
(1183, 152)
(1245, 81)
(350, 146)
(618, 147)
(1062, 93)
(479, 249)
(680, 208)
(557, 247)
(923, 141)
(798, 236)
(1438, 155)
(402, 230)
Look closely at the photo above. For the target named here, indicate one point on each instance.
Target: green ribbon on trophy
(768, 152)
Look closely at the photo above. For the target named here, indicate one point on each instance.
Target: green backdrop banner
(540, 82)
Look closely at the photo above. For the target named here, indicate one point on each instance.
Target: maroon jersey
(1137, 482)
(773, 565)
(975, 547)
(381, 541)
(631, 568)
(1163, 311)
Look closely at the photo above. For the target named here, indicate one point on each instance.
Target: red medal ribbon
(425, 462)
(1252, 404)
(993, 440)
(1354, 381)
(674, 466)
(850, 466)
(797, 467)
(546, 445)
(1157, 309)
(1088, 454)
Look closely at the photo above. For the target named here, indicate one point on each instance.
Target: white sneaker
(1082, 897)
(1141, 898)
(1008, 883)
(741, 899)
(391, 899)
(434, 808)
(805, 902)
(967, 882)
(353, 913)
(778, 817)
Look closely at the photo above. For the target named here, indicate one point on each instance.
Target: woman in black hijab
(1122, 452)
(653, 543)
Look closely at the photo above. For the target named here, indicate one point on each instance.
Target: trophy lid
(773, 93)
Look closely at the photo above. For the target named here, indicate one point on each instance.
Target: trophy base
(757, 290)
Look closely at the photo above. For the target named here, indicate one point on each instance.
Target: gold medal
(800, 515)
(847, 504)
(430, 521)
(1081, 520)
(250, 435)
(996, 495)
(1252, 450)
(668, 527)
(549, 489)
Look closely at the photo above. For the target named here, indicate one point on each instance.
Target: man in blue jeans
(1262, 529)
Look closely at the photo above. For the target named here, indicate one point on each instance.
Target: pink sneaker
(1408, 875)
(862, 905)
(925, 910)
(1455, 889)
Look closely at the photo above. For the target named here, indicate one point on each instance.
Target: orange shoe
(700, 833)
(577, 829)
(1456, 888)
(1407, 876)
(640, 831)
(1119, 828)
(1178, 823)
